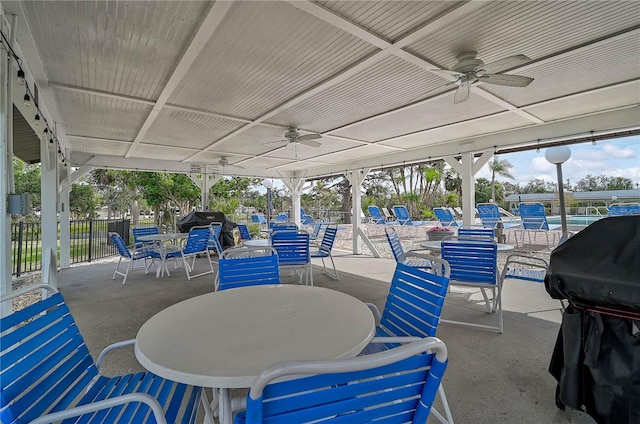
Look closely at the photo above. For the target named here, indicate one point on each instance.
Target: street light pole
(558, 155)
(268, 184)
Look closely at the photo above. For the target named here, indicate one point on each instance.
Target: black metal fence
(89, 241)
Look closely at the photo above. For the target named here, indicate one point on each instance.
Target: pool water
(576, 219)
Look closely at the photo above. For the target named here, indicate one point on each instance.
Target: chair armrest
(375, 311)
(50, 289)
(383, 340)
(111, 347)
(105, 404)
(416, 254)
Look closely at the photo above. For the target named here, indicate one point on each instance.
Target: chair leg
(117, 269)
(126, 273)
(448, 418)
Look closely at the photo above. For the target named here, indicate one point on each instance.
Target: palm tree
(500, 167)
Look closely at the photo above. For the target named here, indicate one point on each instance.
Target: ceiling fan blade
(310, 143)
(462, 93)
(309, 137)
(447, 74)
(505, 63)
(505, 79)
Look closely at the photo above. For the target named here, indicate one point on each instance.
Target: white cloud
(614, 151)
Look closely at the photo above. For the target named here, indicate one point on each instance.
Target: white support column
(355, 178)
(467, 169)
(295, 186)
(65, 218)
(6, 168)
(49, 217)
(204, 182)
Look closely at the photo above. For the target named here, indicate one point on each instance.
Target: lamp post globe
(268, 184)
(558, 154)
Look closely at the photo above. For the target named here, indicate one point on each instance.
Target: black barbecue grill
(596, 360)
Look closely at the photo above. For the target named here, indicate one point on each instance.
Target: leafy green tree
(620, 183)
(453, 182)
(82, 201)
(539, 186)
(483, 190)
(27, 180)
(500, 167)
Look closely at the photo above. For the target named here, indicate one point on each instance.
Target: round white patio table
(436, 245)
(257, 243)
(225, 339)
(159, 240)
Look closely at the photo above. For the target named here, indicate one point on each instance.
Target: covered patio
(491, 377)
(300, 90)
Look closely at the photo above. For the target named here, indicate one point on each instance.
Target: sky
(613, 158)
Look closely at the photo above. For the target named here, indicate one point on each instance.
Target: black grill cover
(600, 265)
(198, 219)
(596, 360)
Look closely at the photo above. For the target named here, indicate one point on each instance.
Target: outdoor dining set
(305, 353)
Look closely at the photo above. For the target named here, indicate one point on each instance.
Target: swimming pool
(583, 220)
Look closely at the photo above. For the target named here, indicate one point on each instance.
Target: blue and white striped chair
(324, 250)
(146, 255)
(410, 258)
(48, 374)
(248, 266)
(195, 244)
(397, 385)
(294, 252)
(475, 264)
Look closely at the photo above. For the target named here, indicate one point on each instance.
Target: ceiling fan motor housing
(467, 62)
(292, 133)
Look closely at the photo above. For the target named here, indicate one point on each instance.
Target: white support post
(65, 219)
(467, 169)
(49, 203)
(204, 183)
(355, 178)
(6, 168)
(295, 186)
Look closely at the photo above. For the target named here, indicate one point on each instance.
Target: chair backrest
(280, 226)
(621, 209)
(198, 240)
(397, 385)
(402, 213)
(118, 242)
(292, 247)
(240, 267)
(475, 232)
(49, 359)
(394, 243)
(328, 238)
(258, 218)
(244, 232)
(376, 215)
(143, 231)
(282, 217)
(489, 214)
(533, 216)
(471, 261)
(414, 302)
(213, 243)
(316, 230)
(445, 217)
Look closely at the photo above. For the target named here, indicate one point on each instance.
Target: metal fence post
(20, 234)
(90, 238)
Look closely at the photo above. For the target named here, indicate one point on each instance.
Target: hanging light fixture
(27, 100)
(51, 140)
(593, 139)
(37, 118)
(21, 80)
(538, 149)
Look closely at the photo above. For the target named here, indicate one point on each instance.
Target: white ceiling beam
(208, 26)
(565, 129)
(100, 93)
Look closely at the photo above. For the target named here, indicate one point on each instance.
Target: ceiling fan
(292, 136)
(224, 161)
(470, 70)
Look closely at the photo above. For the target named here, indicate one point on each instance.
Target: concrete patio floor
(491, 378)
